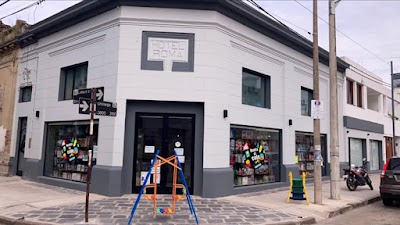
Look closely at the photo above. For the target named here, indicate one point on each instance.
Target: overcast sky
(372, 24)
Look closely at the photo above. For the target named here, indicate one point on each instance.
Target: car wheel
(387, 201)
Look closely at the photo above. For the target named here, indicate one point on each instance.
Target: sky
(366, 29)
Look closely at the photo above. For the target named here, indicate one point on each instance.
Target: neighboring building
(222, 80)
(9, 60)
(367, 117)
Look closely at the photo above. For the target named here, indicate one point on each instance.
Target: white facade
(375, 107)
(111, 43)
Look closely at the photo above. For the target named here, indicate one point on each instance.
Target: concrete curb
(352, 206)
(302, 221)
(21, 221)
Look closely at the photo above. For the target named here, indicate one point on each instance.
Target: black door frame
(18, 146)
(164, 140)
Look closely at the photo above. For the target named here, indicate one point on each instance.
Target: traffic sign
(317, 109)
(84, 106)
(86, 93)
(106, 109)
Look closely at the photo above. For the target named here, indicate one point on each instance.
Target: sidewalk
(48, 204)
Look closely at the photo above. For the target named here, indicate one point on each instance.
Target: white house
(367, 117)
(213, 80)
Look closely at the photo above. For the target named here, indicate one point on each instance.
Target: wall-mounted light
(368, 134)
(347, 131)
(225, 113)
(290, 122)
(37, 114)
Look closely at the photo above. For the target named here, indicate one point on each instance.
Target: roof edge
(236, 10)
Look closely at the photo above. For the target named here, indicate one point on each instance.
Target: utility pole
(393, 117)
(334, 131)
(317, 132)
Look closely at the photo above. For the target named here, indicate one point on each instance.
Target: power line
(344, 34)
(4, 2)
(26, 7)
(274, 15)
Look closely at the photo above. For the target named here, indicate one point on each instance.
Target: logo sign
(87, 93)
(317, 109)
(106, 108)
(84, 106)
(168, 50)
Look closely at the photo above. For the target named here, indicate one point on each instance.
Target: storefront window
(254, 155)
(305, 153)
(67, 146)
(357, 151)
(375, 153)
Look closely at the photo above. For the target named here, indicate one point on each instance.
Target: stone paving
(117, 211)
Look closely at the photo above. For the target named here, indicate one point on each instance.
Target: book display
(305, 153)
(69, 149)
(254, 155)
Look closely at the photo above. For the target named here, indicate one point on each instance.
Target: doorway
(22, 124)
(165, 132)
(389, 147)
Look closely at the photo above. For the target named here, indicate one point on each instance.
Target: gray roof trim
(236, 10)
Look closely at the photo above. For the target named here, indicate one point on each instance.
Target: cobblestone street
(117, 211)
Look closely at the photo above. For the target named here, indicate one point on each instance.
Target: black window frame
(22, 91)
(63, 79)
(266, 79)
(310, 93)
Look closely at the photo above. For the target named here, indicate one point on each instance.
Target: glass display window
(305, 153)
(254, 155)
(67, 150)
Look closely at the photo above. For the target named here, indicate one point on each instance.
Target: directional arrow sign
(86, 93)
(84, 106)
(106, 108)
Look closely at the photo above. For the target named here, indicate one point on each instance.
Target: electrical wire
(26, 7)
(4, 2)
(280, 22)
(273, 16)
(344, 34)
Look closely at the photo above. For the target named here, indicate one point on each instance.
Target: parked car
(390, 181)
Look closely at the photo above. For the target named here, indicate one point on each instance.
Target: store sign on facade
(168, 51)
(165, 51)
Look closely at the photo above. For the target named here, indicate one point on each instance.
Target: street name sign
(87, 93)
(106, 109)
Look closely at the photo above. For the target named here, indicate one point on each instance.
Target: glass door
(164, 132)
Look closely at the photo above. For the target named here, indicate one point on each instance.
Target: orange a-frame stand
(157, 162)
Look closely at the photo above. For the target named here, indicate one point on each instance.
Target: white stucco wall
(111, 43)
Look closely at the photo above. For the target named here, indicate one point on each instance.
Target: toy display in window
(70, 149)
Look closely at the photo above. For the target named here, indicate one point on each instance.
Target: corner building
(219, 82)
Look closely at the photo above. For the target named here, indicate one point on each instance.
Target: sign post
(89, 175)
(91, 102)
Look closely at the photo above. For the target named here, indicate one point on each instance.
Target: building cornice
(236, 10)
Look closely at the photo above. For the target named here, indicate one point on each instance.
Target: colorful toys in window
(70, 149)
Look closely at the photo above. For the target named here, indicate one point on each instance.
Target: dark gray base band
(80, 186)
(107, 180)
(217, 182)
(33, 168)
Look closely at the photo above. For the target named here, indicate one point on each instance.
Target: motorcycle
(357, 176)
